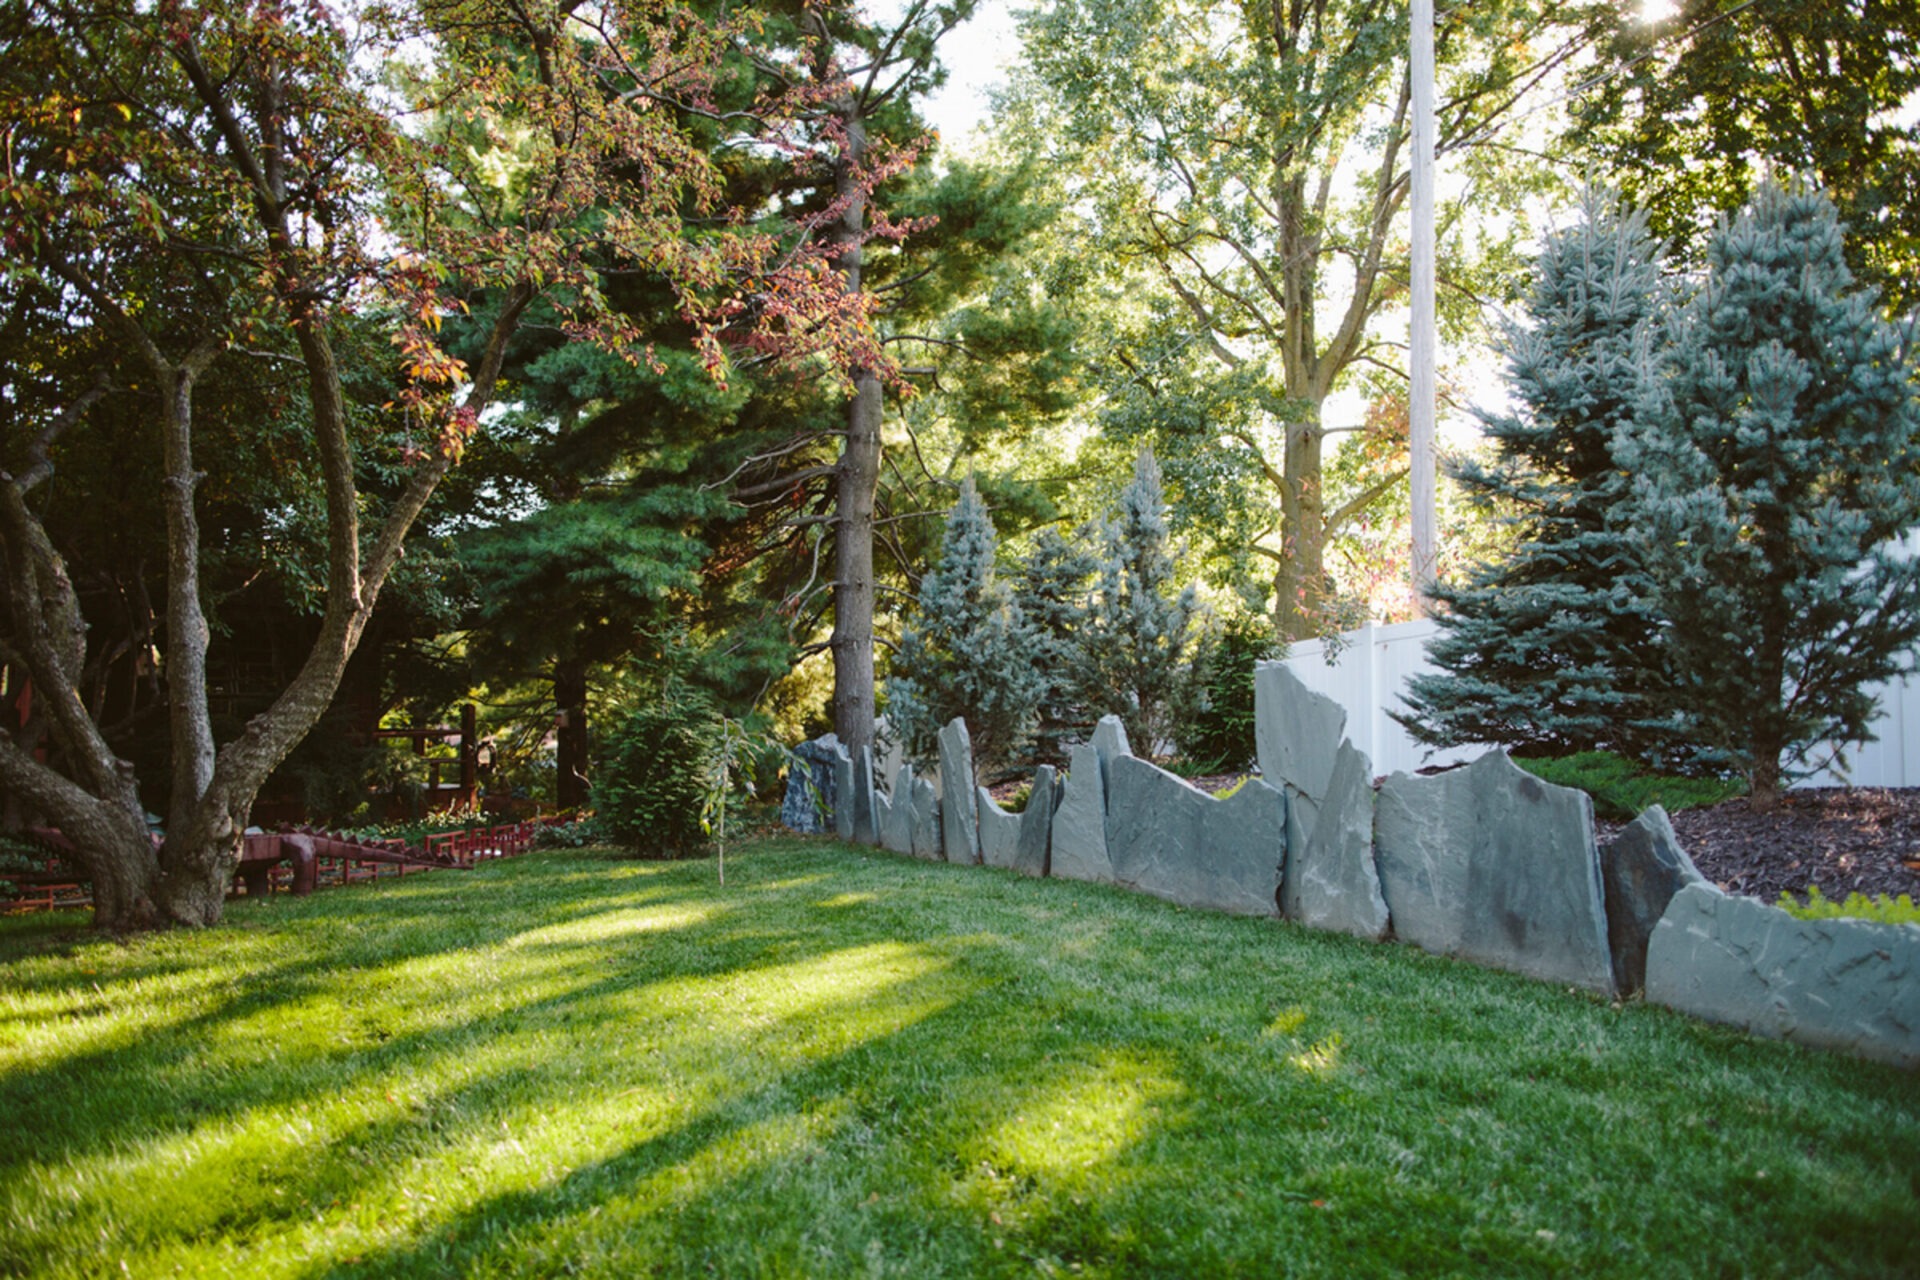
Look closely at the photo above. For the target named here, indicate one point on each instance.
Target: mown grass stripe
(846, 1063)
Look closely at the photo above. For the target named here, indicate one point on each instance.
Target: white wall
(1371, 666)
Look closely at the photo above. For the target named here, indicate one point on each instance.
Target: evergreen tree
(1550, 648)
(967, 651)
(1220, 729)
(1055, 579)
(1135, 642)
(1774, 463)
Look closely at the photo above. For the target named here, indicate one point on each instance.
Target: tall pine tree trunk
(858, 478)
(571, 789)
(856, 485)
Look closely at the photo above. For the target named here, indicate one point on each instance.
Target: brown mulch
(1863, 839)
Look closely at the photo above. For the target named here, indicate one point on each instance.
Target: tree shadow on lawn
(800, 1074)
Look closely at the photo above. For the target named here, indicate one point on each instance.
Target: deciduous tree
(1251, 160)
(1697, 106)
(200, 183)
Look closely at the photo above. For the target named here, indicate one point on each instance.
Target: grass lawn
(850, 1064)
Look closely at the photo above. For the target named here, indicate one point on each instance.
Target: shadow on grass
(845, 1062)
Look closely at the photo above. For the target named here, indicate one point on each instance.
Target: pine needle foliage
(966, 650)
(1141, 625)
(1549, 648)
(1776, 462)
(1715, 478)
(1056, 581)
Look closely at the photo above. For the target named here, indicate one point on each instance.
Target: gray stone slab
(1642, 867)
(866, 817)
(1080, 821)
(1331, 880)
(896, 813)
(1110, 740)
(999, 831)
(1852, 985)
(843, 797)
(926, 820)
(1297, 732)
(1173, 840)
(1036, 823)
(1489, 863)
(807, 806)
(959, 826)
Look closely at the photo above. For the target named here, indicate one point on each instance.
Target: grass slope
(847, 1064)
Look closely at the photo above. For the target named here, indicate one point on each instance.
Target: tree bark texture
(571, 786)
(857, 480)
(856, 485)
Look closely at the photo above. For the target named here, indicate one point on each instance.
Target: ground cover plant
(1621, 788)
(845, 1063)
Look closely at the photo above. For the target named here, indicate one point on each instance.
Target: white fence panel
(1893, 760)
(1370, 668)
(1366, 674)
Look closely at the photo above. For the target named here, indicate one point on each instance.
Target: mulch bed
(1864, 839)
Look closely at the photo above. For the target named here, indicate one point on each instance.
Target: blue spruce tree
(1775, 461)
(1553, 649)
(965, 650)
(1139, 630)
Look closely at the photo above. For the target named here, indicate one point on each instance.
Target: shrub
(649, 786)
(1621, 789)
(577, 834)
(1884, 909)
(1219, 731)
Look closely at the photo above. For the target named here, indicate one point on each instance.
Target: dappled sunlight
(807, 1083)
(798, 1011)
(1320, 1059)
(113, 1009)
(840, 900)
(613, 926)
(1285, 1023)
(1086, 1114)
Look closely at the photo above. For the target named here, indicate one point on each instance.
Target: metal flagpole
(1421, 347)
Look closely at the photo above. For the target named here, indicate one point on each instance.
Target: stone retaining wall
(1484, 862)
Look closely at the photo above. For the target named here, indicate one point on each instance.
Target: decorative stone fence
(1484, 862)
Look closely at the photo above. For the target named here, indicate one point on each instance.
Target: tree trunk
(1300, 581)
(199, 858)
(858, 479)
(571, 788)
(186, 622)
(856, 485)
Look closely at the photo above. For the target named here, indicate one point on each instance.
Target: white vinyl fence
(1371, 666)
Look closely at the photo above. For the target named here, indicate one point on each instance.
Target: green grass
(848, 1064)
(1621, 789)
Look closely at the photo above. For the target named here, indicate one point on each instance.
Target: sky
(976, 55)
